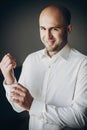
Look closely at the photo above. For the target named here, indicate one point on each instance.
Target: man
(53, 82)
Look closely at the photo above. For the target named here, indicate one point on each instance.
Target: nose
(49, 34)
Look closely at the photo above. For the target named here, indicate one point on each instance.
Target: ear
(69, 28)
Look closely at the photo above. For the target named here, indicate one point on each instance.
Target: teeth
(50, 42)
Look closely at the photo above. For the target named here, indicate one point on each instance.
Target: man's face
(53, 31)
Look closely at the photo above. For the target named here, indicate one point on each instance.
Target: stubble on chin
(56, 48)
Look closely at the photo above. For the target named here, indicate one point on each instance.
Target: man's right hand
(7, 65)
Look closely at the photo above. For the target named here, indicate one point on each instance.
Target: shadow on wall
(9, 119)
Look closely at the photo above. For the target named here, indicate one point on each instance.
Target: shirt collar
(64, 52)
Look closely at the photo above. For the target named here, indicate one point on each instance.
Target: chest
(54, 83)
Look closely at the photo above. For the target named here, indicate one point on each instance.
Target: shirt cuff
(8, 87)
(37, 108)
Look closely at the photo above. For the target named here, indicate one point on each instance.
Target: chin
(50, 49)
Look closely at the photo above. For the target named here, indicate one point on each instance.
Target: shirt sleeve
(22, 80)
(8, 88)
(73, 116)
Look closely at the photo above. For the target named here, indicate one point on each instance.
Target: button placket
(47, 77)
(46, 81)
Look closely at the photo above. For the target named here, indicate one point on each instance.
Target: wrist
(9, 80)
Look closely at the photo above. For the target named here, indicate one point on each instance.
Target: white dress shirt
(59, 87)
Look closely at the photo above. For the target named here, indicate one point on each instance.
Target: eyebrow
(58, 26)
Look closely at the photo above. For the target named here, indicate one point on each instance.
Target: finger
(20, 87)
(17, 88)
(9, 60)
(9, 67)
(18, 102)
(10, 63)
(15, 95)
(17, 91)
(8, 57)
(5, 57)
(17, 98)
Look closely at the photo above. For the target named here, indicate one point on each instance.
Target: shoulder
(34, 56)
(77, 55)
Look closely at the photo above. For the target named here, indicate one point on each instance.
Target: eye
(42, 28)
(56, 29)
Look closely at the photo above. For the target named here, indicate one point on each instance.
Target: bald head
(54, 22)
(59, 12)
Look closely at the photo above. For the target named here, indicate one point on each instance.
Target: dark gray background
(19, 28)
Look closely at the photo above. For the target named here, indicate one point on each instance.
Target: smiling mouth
(51, 42)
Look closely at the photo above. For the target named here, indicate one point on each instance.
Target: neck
(51, 53)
